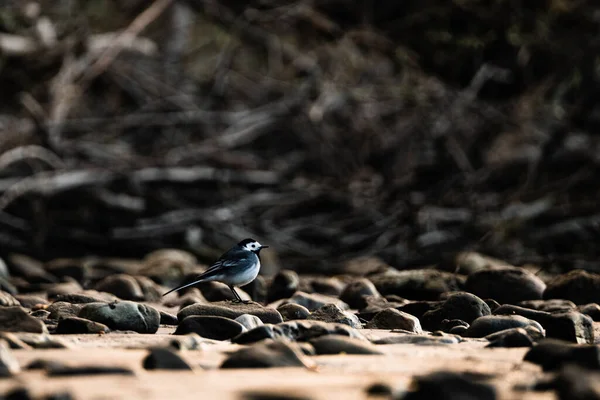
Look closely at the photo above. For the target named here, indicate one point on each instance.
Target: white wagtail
(238, 266)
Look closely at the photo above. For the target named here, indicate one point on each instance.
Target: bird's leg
(238, 299)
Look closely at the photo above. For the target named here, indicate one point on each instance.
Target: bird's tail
(184, 286)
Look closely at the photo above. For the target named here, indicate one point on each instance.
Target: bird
(238, 266)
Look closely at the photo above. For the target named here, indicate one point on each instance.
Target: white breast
(245, 277)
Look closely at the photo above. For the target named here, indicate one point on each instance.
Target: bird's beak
(264, 247)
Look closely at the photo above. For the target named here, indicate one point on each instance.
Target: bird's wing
(220, 266)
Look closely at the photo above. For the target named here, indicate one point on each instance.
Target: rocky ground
(101, 330)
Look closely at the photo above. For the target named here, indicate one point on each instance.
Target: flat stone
(417, 284)
(60, 310)
(249, 321)
(336, 344)
(30, 300)
(76, 325)
(268, 354)
(16, 319)
(210, 327)
(164, 358)
(332, 313)
(9, 366)
(394, 319)
(513, 337)
(489, 324)
(231, 310)
(505, 284)
(300, 330)
(291, 311)
(86, 296)
(314, 301)
(7, 300)
(572, 326)
(552, 354)
(551, 305)
(123, 286)
(422, 340)
(580, 287)
(449, 386)
(167, 318)
(123, 316)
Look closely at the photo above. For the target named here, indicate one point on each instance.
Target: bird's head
(251, 245)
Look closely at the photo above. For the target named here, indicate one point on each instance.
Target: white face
(252, 246)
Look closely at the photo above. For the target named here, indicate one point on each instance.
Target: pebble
(32, 270)
(301, 331)
(30, 301)
(164, 358)
(329, 286)
(16, 319)
(268, 354)
(7, 300)
(43, 341)
(592, 310)
(552, 354)
(167, 318)
(62, 288)
(210, 327)
(578, 286)
(87, 296)
(489, 324)
(123, 286)
(249, 321)
(336, 344)
(268, 395)
(355, 293)
(418, 284)
(459, 306)
(423, 340)
(123, 316)
(505, 284)
(450, 386)
(575, 383)
(291, 311)
(9, 366)
(60, 310)
(572, 326)
(58, 369)
(231, 310)
(76, 325)
(552, 305)
(379, 389)
(332, 313)
(284, 285)
(71, 268)
(513, 337)
(314, 301)
(394, 319)
(13, 341)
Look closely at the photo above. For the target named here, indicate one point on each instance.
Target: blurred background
(403, 131)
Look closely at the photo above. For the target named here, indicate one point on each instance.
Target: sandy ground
(339, 376)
